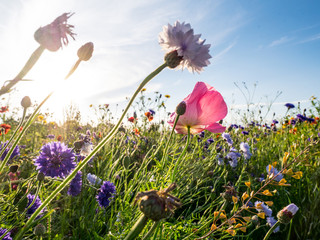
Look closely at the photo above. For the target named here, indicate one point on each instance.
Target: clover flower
(75, 185)
(16, 151)
(106, 192)
(53, 35)
(55, 160)
(7, 236)
(261, 207)
(204, 107)
(31, 209)
(193, 53)
(275, 172)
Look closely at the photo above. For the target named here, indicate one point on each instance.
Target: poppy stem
(173, 176)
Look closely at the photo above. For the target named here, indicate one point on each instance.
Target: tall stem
(271, 230)
(81, 165)
(137, 228)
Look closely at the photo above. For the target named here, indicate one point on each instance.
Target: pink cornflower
(53, 35)
(189, 46)
(204, 107)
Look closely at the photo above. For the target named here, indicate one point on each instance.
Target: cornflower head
(52, 36)
(227, 138)
(233, 155)
(274, 171)
(31, 209)
(16, 151)
(245, 148)
(184, 48)
(262, 207)
(289, 105)
(75, 185)
(204, 107)
(55, 160)
(93, 179)
(287, 213)
(106, 191)
(7, 236)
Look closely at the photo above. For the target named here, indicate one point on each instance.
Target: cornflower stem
(150, 232)
(81, 165)
(137, 228)
(6, 159)
(173, 176)
(271, 230)
(27, 67)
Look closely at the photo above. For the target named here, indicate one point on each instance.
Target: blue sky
(275, 44)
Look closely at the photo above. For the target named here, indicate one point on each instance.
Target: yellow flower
(297, 175)
(248, 184)
(247, 219)
(234, 199)
(243, 229)
(269, 203)
(244, 196)
(143, 89)
(167, 96)
(267, 193)
(90, 105)
(261, 215)
(231, 232)
(40, 117)
(213, 227)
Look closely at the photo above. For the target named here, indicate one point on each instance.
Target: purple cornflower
(51, 136)
(201, 135)
(152, 112)
(55, 160)
(7, 236)
(261, 207)
(16, 151)
(75, 185)
(34, 206)
(234, 126)
(106, 192)
(275, 172)
(245, 148)
(233, 155)
(275, 121)
(301, 117)
(226, 136)
(245, 132)
(289, 105)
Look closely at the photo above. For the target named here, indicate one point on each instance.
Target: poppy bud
(39, 230)
(85, 51)
(181, 108)
(26, 102)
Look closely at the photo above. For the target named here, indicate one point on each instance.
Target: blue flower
(93, 179)
(271, 221)
(263, 208)
(55, 160)
(7, 236)
(34, 206)
(16, 151)
(106, 192)
(75, 185)
(226, 136)
(289, 105)
(51, 136)
(245, 132)
(152, 112)
(275, 172)
(245, 148)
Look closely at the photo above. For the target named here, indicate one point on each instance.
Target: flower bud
(39, 230)
(287, 213)
(172, 59)
(181, 108)
(13, 168)
(40, 176)
(26, 102)
(85, 51)
(153, 207)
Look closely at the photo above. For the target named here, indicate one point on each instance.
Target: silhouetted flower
(16, 151)
(194, 54)
(289, 105)
(34, 206)
(7, 236)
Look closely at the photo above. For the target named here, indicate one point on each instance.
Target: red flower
(5, 128)
(59, 138)
(4, 109)
(136, 131)
(149, 116)
(132, 119)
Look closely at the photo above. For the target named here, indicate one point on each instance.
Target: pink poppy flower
(205, 106)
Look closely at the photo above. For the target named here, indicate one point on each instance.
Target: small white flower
(86, 149)
(93, 179)
(180, 37)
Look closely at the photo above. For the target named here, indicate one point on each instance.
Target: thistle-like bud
(39, 230)
(172, 59)
(40, 176)
(85, 51)
(287, 213)
(13, 168)
(26, 102)
(181, 108)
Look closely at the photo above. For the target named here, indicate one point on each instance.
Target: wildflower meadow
(156, 173)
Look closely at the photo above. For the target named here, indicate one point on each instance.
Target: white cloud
(280, 41)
